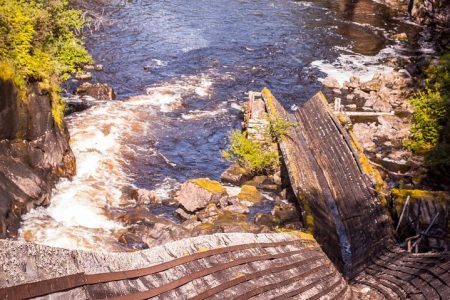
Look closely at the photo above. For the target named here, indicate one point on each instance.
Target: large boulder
(100, 91)
(198, 193)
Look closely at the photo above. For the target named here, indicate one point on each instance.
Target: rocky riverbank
(34, 153)
(203, 206)
(384, 122)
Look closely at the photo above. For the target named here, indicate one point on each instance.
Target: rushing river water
(181, 70)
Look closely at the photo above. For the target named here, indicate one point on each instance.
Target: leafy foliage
(38, 43)
(430, 133)
(278, 128)
(258, 158)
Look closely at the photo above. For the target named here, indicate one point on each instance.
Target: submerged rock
(144, 196)
(198, 193)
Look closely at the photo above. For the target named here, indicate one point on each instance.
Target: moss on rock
(250, 193)
(400, 196)
(304, 236)
(209, 185)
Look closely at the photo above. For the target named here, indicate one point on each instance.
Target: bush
(257, 158)
(430, 132)
(278, 128)
(38, 43)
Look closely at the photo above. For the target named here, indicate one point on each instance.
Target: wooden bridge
(354, 256)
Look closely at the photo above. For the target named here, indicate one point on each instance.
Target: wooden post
(337, 104)
(403, 213)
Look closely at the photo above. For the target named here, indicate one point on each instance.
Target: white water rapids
(77, 217)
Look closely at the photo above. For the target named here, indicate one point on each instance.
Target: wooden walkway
(220, 266)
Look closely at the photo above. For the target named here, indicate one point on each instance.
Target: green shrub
(428, 121)
(278, 128)
(430, 131)
(38, 43)
(257, 158)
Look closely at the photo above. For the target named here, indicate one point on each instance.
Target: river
(181, 70)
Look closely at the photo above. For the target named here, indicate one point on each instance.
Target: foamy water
(351, 64)
(78, 216)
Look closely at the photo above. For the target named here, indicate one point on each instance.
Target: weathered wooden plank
(326, 175)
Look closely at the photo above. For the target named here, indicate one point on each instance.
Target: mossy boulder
(230, 221)
(197, 193)
(264, 182)
(209, 185)
(249, 193)
(235, 174)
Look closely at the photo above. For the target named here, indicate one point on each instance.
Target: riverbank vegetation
(258, 157)
(39, 42)
(430, 131)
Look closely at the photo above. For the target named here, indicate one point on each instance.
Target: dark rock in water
(78, 104)
(100, 91)
(34, 153)
(144, 196)
(132, 241)
(183, 214)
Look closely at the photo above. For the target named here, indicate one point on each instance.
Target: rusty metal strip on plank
(45, 287)
(204, 272)
(304, 288)
(219, 288)
(265, 288)
(40, 288)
